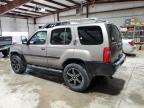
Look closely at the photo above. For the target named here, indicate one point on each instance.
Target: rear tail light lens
(132, 43)
(106, 55)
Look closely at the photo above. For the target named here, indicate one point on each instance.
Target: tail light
(131, 43)
(106, 55)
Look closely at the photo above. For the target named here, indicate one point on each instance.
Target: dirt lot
(40, 88)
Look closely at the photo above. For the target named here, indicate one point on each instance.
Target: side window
(61, 36)
(39, 38)
(90, 35)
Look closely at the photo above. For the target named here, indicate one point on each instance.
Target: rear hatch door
(115, 42)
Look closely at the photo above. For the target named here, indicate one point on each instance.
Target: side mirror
(24, 40)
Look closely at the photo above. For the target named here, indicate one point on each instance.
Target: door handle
(42, 48)
(75, 42)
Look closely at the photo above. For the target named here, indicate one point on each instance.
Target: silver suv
(82, 49)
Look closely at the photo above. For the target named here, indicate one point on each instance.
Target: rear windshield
(114, 33)
(90, 35)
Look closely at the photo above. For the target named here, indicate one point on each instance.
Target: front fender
(16, 49)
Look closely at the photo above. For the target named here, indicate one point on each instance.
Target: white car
(128, 46)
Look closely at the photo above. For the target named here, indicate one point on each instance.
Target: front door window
(39, 38)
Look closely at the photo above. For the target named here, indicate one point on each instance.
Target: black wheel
(18, 64)
(5, 52)
(76, 77)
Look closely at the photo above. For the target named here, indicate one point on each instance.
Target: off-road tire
(5, 52)
(84, 78)
(18, 64)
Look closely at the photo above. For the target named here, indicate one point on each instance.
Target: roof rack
(74, 21)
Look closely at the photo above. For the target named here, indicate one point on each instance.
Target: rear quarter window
(90, 35)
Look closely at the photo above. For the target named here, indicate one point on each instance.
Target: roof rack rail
(74, 21)
(50, 25)
(86, 20)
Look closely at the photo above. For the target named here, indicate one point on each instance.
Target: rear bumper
(103, 69)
